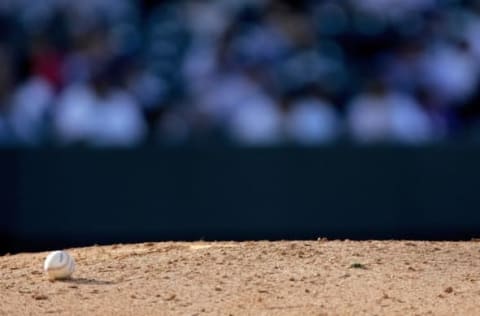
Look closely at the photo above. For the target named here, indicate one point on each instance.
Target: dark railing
(54, 198)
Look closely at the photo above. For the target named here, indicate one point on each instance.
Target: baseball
(59, 265)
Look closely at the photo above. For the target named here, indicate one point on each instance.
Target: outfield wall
(59, 198)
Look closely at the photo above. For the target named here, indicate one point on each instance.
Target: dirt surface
(251, 278)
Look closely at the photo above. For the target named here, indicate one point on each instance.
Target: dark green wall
(56, 198)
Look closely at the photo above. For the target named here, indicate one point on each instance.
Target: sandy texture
(251, 278)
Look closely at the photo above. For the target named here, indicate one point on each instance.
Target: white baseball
(59, 265)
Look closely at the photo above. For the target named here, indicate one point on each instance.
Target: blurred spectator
(380, 115)
(451, 71)
(124, 72)
(312, 121)
(99, 115)
(257, 121)
(31, 106)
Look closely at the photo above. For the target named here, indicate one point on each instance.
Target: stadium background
(132, 120)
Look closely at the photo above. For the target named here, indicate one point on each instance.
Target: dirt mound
(251, 278)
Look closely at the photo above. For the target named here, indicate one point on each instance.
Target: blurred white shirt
(450, 73)
(256, 122)
(118, 121)
(31, 103)
(113, 120)
(390, 117)
(312, 121)
(223, 95)
(72, 118)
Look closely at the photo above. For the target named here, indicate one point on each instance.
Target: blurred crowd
(247, 72)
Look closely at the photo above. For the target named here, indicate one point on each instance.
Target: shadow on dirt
(85, 281)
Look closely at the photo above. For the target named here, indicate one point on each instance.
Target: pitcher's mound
(251, 278)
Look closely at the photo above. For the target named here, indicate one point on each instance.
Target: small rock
(24, 291)
(40, 297)
(171, 297)
(358, 266)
